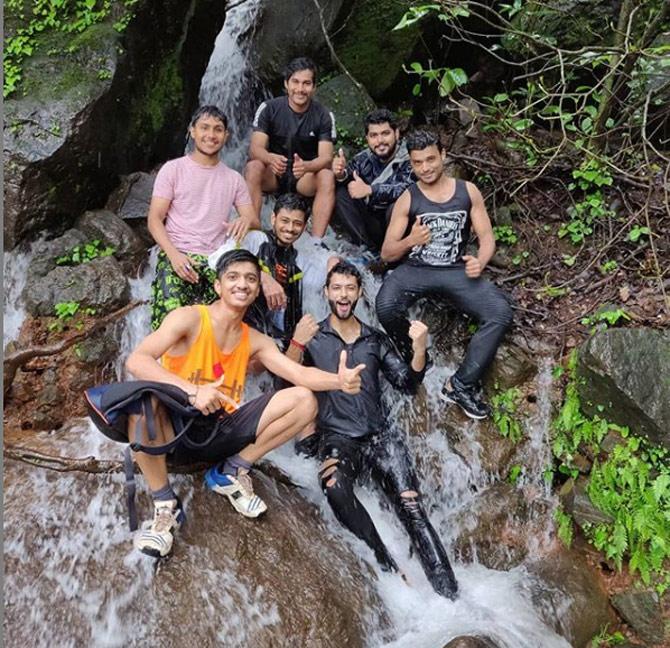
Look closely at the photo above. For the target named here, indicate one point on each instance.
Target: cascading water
(14, 269)
(78, 530)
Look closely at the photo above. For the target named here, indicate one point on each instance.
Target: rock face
(471, 642)
(642, 611)
(627, 371)
(63, 153)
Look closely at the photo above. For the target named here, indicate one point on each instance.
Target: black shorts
(233, 433)
(286, 183)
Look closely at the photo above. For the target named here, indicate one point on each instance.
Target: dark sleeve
(396, 370)
(327, 131)
(390, 192)
(357, 163)
(262, 119)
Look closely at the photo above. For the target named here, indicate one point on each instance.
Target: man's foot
(238, 489)
(467, 399)
(155, 538)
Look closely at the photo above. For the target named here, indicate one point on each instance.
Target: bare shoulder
(473, 191)
(259, 341)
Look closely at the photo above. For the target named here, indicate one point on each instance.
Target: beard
(333, 309)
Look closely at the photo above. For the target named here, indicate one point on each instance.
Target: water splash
(15, 265)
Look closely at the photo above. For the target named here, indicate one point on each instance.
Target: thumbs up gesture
(340, 165)
(209, 398)
(358, 188)
(350, 379)
(473, 266)
(299, 169)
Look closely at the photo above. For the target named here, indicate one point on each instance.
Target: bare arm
(258, 147)
(481, 224)
(395, 246)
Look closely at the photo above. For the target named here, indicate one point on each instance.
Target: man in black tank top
(429, 230)
(291, 146)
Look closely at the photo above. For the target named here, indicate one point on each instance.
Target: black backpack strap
(129, 469)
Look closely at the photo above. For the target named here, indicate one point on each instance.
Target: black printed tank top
(449, 224)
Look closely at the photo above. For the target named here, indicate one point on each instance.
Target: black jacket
(369, 166)
(362, 414)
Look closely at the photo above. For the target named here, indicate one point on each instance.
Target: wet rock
(131, 199)
(569, 596)
(348, 103)
(510, 367)
(497, 525)
(471, 642)
(111, 230)
(63, 149)
(99, 284)
(621, 371)
(576, 502)
(642, 611)
(45, 253)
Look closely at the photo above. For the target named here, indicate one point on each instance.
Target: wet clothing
(204, 362)
(437, 270)
(361, 414)
(365, 220)
(290, 132)
(355, 439)
(170, 291)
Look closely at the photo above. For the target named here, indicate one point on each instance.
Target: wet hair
(209, 111)
(236, 256)
(380, 116)
(347, 269)
(299, 64)
(420, 139)
(291, 202)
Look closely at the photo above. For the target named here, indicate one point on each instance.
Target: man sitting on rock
(189, 216)
(369, 185)
(428, 232)
(286, 271)
(204, 351)
(354, 434)
(291, 147)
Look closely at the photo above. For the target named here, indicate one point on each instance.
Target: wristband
(295, 343)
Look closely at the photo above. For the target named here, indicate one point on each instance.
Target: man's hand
(473, 266)
(278, 163)
(418, 333)
(350, 379)
(419, 234)
(182, 266)
(339, 165)
(273, 291)
(238, 229)
(357, 188)
(298, 169)
(305, 330)
(209, 398)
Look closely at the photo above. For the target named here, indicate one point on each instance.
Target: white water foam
(15, 265)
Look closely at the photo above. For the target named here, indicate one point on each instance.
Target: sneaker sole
(222, 490)
(476, 417)
(156, 553)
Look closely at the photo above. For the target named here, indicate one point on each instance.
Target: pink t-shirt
(201, 199)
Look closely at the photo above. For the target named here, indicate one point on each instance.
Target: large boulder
(625, 378)
(100, 103)
(643, 612)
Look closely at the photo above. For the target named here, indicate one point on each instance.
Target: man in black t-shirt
(291, 146)
(428, 232)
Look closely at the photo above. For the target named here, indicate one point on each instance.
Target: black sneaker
(467, 399)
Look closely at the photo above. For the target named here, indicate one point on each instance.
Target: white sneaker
(238, 489)
(155, 538)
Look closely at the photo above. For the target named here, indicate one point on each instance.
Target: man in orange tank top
(204, 350)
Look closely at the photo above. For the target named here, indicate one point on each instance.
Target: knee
(387, 305)
(253, 171)
(325, 181)
(502, 314)
(305, 403)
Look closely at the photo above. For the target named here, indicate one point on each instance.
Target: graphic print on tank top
(446, 232)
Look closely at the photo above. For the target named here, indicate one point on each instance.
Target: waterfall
(14, 266)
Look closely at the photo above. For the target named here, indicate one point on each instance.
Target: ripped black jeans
(385, 457)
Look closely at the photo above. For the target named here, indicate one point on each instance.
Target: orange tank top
(204, 362)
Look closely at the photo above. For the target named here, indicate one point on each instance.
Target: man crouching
(204, 350)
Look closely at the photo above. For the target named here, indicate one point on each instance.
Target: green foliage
(514, 474)
(637, 233)
(505, 234)
(605, 640)
(608, 266)
(505, 405)
(564, 526)
(446, 79)
(606, 317)
(66, 310)
(85, 253)
(355, 141)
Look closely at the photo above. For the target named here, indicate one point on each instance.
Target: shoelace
(245, 482)
(164, 519)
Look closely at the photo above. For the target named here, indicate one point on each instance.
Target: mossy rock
(370, 50)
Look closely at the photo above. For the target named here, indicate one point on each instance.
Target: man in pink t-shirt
(190, 216)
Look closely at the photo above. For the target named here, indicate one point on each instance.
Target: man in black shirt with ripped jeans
(428, 232)
(354, 435)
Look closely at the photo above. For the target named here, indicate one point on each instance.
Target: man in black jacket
(354, 436)
(369, 185)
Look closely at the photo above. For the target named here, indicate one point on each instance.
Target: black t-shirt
(291, 132)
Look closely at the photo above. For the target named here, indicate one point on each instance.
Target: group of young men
(227, 296)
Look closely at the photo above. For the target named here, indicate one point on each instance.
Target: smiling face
(300, 89)
(209, 135)
(288, 225)
(343, 292)
(238, 285)
(428, 164)
(382, 139)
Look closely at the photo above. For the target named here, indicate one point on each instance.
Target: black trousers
(386, 459)
(478, 298)
(362, 224)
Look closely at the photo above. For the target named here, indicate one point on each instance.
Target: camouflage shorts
(169, 291)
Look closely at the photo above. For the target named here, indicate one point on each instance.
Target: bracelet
(193, 396)
(295, 343)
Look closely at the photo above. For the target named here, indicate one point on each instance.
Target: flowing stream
(63, 530)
